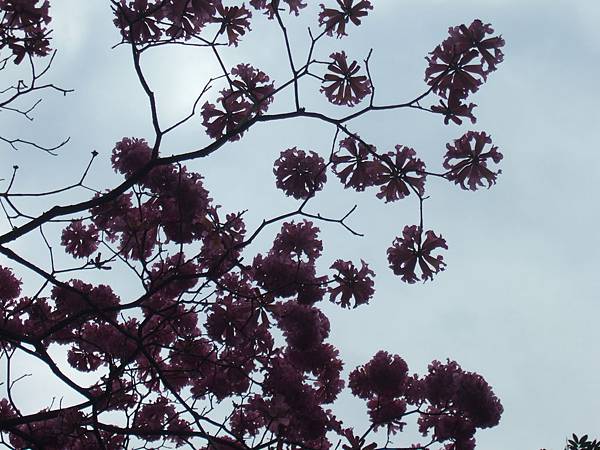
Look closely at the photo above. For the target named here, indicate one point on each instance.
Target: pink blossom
(384, 375)
(298, 240)
(342, 85)
(80, 240)
(174, 275)
(191, 359)
(23, 28)
(268, 6)
(455, 109)
(108, 216)
(304, 327)
(387, 412)
(6, 409)
(188, 17)
(356, 442)
(222, 242)
(82, 296)
(25, 14)
(307, 420)
(474, 36)
(220, 122)
(139, 232)
(401, 171)
(283, 277)
(10, 286)
(60, 432)
(408, 250)
(252, 95)
(137, 20)
(359, 170)
(323, 361)
(234, 20)
(183, 204)
(246, 420)
(254, 85)
(352, 283)
(232, 321)
(158, 415)
(459, 401)
(130, 155)
(471, 165)
(299, 174)
(337, 19)
(117, 394)
(83, 360)
(453, 73)
(453, 69)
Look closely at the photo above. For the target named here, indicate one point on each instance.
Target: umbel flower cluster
(24, 29)
(216, 327)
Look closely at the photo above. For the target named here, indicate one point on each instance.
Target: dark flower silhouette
(358, 169)
(400, 171)
(455, 109)
(467, 165)
(80, 240)
(234, 20)
(335, 20)
(299, 174)
(352, 283)
(341, 85)
(268, 6)
(10, 286)
(234, 112)
(408, 250)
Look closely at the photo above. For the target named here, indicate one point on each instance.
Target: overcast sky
(519, 301)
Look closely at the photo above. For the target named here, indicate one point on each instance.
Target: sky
(519, 300)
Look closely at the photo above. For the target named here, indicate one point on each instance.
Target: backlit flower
(400, 173)
(408, 250)
(299, 174)
(335, 20)
(342, 85)
(234, 20)
(80, 240)
(352, 284)
(467, 164)
(356, 169)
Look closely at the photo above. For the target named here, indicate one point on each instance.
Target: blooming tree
(215, 328)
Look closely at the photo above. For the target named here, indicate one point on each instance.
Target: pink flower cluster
(459, 403)
(23, 28)
(410, 249)
(10, 286)
(251, 95)
(397, 173)
(358, 169)
(352, 284)
(400, 172)
(283, 276)
(460, 65)
(269, 6)
(144, 21)
(80, 240)
(451, 403)
(335, 20)
(300, 174)
(342, 85)
(467, 162)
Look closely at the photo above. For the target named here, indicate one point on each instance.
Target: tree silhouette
(215, 327)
